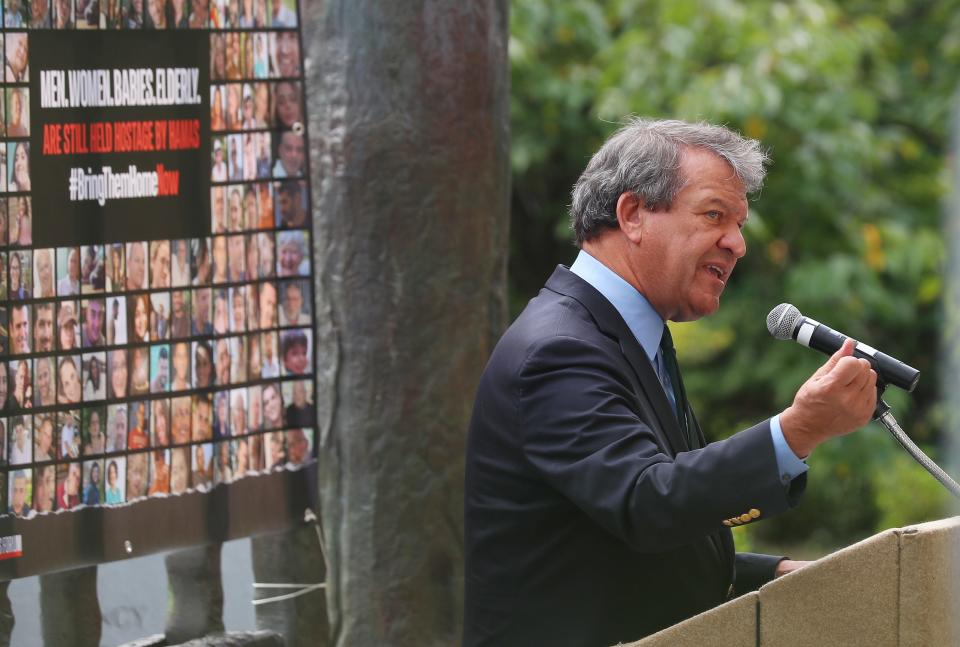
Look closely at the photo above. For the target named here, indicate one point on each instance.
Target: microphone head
(782, 320)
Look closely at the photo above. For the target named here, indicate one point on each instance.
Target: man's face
(94, 322)
(74, 263)
(44, 382)
(293, 303)
(135, 266)
(21, 329)
(683, 257)
(46, 436)
(177, 301)
(19, 493)
(291, 153)
(43, 328)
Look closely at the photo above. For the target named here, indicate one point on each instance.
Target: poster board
(156, 345)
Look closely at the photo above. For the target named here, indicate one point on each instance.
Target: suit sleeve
(753, 570)
(581, 428)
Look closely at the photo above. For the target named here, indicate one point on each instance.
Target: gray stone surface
(70, 608)
(196, 593)
(238, 639)
(408, 127)
(292, 558)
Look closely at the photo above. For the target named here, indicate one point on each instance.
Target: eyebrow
(724, 204)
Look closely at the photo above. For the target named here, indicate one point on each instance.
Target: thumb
(846, 350)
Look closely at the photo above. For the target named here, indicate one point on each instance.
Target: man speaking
(595, 511)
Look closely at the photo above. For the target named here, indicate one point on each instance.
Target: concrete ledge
(229, 639)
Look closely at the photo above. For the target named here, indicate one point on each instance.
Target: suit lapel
(609, 321)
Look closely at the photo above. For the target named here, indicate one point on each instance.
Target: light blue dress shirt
(647, 326)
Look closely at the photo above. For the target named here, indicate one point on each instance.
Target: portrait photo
(179, 470)
(159, 316)
(291, 204)
(272, 406)
(69, 482)
(179, 323)
(116, 324)
(201, 264)
(68, 271)
(20, 440)
(115, 269)
(219, 253)
(68, 430)
(180, 420)
(288, 155)
(138, 312)
(94, 421)
(18, 166)
(45, 438)
(139, 371)
(21, 493)
(44, 332)
(300, 410)
(159, 472)
(92, 332)
(202, 364)
(94, 376)
(115, 486)
(255, 406)
(202, 423)
(159, 368)
(92, 273)
(137, 475)
(241, 457)
(180, 263)
(238, 308)
(45, 488)
(136, 260)
(45, 381)
(296, 351)
(69, 390)
(269, 355)
(20, 217)
(62, 14)
(299, 446)
(21, 275)
(223, 465)
(17, 56)
(138, 422)
(201, 477)
(295, 303)
(285, 54)
(68, 329)
(117, 373)
(93, 482)
(221, 415)
(180, 367)
(238, 412)
(275, 449)
(22, 385)
(288, 104)
(201, 307)
(18, 112)
(160, 423)
(116, 427)
(159, 264)
(293, 258)
(238, 359)
(43, 274)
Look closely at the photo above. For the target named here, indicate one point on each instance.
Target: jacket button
(754, 513)
(727, 522)
(745, 517)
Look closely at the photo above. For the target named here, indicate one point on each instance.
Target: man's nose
(734, 242)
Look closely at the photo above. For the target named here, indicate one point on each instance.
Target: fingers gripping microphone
(786, 322)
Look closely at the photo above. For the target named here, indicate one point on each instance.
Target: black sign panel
(120, 136)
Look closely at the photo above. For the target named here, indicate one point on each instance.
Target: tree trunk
(409, 165)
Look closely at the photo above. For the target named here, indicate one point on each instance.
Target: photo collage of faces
(155, 367)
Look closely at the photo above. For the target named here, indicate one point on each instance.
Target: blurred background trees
(853, 101)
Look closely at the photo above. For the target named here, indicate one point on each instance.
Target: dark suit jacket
(588, 520)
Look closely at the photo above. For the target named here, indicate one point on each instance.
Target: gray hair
(643, 157)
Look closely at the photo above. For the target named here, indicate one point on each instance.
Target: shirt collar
(643, 321)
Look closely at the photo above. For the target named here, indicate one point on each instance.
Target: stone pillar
(70, 609)
(292, 557)
(408, 126)
(196, 593)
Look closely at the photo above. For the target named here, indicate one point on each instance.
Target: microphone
(786, 322)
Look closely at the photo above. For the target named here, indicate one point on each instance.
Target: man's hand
(788, 566)
(839, 398)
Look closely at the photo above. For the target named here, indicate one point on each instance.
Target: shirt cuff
(788, 464)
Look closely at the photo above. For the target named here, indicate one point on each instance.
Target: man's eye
(713, 215)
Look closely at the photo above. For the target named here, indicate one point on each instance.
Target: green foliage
(853, 101)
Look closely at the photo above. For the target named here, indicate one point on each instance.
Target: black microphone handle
(815, 335)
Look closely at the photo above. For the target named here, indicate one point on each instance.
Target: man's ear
(631, 215)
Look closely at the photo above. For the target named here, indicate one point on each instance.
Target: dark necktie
(679, 393)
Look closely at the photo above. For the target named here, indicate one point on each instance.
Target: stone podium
(897, 589)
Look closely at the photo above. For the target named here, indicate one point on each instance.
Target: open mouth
(718, 272)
